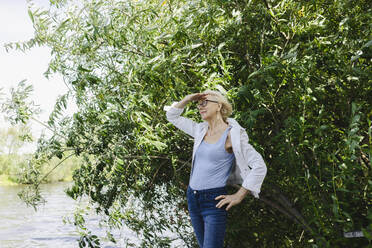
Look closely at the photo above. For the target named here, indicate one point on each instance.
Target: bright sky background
(15, 25)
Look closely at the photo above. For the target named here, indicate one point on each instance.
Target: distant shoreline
(5, 181)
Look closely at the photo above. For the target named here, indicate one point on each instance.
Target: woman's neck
(216, 125)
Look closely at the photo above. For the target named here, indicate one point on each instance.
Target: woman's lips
(202, 112)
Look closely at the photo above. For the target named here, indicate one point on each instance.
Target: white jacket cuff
(254, 180)
(252, 187)
(172, 109)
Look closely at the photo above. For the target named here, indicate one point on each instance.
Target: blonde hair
(226, 108)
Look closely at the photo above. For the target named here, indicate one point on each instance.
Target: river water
(21, 226)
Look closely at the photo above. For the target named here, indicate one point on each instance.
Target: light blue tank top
(212, 164)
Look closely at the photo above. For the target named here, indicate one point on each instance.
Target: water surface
(21, 226)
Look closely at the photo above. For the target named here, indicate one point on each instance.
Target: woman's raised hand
(189, 98)
(197, 96)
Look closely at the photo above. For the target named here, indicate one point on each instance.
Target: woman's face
(209, 107)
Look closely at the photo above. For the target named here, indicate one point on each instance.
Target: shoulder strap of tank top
(224, 135)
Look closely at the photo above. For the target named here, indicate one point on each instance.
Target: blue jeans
(208, 221)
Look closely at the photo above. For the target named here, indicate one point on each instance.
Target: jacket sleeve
(174, 116)
(256, 175)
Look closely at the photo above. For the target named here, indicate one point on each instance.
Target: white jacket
(250, 170)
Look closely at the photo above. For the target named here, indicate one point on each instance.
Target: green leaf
(30, 14)
(193, 46)
(369, 43)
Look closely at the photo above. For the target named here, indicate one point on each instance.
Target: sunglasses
(204, 103)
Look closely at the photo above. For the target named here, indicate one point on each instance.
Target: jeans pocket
(209, 199)
(212, 202)
(212, 196)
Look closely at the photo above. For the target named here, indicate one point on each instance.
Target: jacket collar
(234, 123)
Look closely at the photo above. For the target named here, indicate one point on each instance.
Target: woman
(221, 155)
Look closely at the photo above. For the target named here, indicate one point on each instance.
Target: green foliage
(297, 72)
(12, 165)
(17, 168)
(14, 138)
(18, 108)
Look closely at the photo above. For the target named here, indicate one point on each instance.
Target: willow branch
(47, 174)
(48, 127)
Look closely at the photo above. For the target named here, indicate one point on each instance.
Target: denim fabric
(208, 221)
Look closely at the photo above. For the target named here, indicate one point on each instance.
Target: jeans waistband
(212, 190)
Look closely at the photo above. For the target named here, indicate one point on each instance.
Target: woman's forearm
(192, 97)
(181, 104)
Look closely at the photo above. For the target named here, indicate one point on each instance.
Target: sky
(15, 66)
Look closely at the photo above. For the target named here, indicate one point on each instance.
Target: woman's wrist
(242, 193)
(187, 98)
(181, 104)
